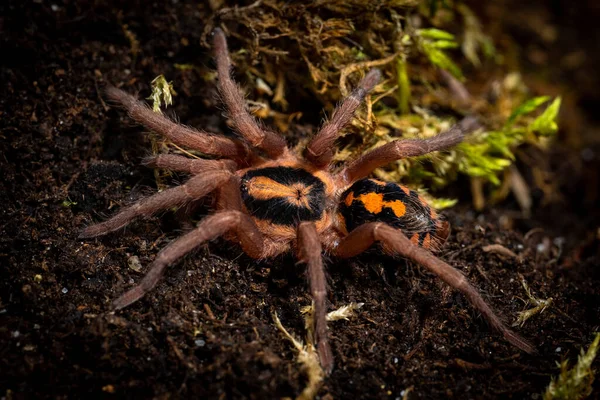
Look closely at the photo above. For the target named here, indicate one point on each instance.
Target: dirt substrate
(206, 331)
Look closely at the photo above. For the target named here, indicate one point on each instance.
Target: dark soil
(69, 160)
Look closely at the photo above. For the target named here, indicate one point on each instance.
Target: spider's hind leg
(210, 228)
(394, 241)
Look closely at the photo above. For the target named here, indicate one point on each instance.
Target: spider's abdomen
(283, 195)
(370, 200)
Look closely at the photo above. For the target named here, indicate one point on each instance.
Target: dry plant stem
(273, 144)
(363, 166)
(210, 228)
(178, 134)
(194, 189)
(309, 248)
(395, 242)
(320, 150)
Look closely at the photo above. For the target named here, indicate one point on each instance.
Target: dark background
(68, 160)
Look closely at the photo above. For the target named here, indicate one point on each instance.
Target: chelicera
(271, 201)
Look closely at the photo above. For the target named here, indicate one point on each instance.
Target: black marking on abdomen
(416, 219)
(280, 210)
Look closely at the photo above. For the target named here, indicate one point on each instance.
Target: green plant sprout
(574, 383)
(433, 42)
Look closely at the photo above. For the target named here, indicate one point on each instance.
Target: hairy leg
(309, 248)
(179, 134)
(320, 149)
(194, 189)
(363, 166)
(210, 228)
(192, 166)
(395, 242)
(273, 144)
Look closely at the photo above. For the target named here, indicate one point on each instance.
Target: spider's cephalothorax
(283, 195)
(271, 201)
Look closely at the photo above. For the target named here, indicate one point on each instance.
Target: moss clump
(291, 52)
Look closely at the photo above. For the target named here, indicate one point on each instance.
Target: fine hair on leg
(210, 228)
(193, 166)
(195, 188)
(309, 248)
(320, 151)
(396, 243)
(245, 124)
(405, 148)
(179, 134)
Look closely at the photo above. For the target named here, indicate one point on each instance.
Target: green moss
(318, 51)
(574, 383)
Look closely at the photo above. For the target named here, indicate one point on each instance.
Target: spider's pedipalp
(177, 163)
(179, 134)
(245, 124)
(395, 242)
(309, 248)
(210, 228)
(404, 148)
(194, 189)
(319, 151)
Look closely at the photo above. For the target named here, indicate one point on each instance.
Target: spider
(271, 201)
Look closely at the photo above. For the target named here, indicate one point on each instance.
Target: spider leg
(273, 144)
(195, 188)
(395, 242)
(309, 247)
(319, 151)
(363, 166)
(178, 134)
(210, 228)
(177, 163)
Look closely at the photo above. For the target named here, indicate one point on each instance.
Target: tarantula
(271, 201)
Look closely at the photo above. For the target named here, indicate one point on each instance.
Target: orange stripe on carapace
(374, 203)
(264, 188)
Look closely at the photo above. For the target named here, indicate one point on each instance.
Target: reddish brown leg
(194, 189)
(320, 149)
(179, 134)
(273, 144)
(363, 166)
(192, 166)
(210, 228)
(309, 248)
(395, 242)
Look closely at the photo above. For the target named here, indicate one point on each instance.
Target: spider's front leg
(195, 188)
(309, 248)
(395, 242)
(273, 144)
